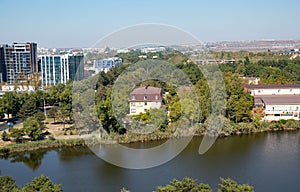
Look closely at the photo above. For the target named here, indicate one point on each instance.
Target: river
(268, 161)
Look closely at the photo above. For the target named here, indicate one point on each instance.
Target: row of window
(259, 91)
(134, 110)
(145, 97)
(134, 104)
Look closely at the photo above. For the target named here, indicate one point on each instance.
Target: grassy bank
(44, 144)
(229, 128)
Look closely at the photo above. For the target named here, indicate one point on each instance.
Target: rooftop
(281, 86)
(151, 93)
(278, 100)
(146, 90)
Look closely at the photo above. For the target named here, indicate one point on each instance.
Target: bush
(8, 184)
(5, 136)
(42, 183)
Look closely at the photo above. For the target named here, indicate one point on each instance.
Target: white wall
(294, 91)
(285, 111)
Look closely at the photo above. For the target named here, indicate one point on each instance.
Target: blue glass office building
(57, 69)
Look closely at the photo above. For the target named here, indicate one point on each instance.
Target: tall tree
(66, 103)
(10, 103)
(28, 109)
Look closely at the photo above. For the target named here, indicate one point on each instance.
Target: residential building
(106, 64)
(57, 69)
(287, 89)
(17, 62)
(144, 98)
(277, 101)
(277, 107)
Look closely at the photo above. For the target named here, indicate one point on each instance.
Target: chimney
(146, 86)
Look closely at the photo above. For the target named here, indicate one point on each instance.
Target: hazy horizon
(82, 23)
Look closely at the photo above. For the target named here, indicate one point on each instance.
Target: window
(278, 90)
(156, 97)
(132, 111)
(133, 97)
(145, 97)
(145, 103)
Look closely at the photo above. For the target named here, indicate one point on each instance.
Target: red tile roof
(151, 93)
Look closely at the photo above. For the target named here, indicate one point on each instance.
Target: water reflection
(268, 161)
(69, 153)
(33, 159)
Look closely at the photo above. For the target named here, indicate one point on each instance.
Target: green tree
(106, 117)
(203, 93)
(42, 184)
(29, 108)
(17, 134)
(2, 109)
(52, 113)
(175, 111)
(239, 103)
(8, 184)
(32, 128)
(10, 103)
(5, 136)
(66, 103)
(186, 185)
(247, 61)
(229, 185)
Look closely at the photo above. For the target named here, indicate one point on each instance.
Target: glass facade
(17, 62)
(57, 69)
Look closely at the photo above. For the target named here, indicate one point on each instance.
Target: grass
(44, 144)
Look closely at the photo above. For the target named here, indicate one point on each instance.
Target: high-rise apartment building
(57, 69)
(17, 62)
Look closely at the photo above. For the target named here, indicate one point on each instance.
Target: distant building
(251, 80)
(57, 69)
(106, 64)
(144, 98)
(17, 62)
(277, 101)
(19, 88)
(153, 49)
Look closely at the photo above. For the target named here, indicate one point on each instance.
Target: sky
(74, 23)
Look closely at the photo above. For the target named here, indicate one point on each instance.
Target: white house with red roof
(144, 98)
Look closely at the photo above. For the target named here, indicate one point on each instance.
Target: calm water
(269, 162)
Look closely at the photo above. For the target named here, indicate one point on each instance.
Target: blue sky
(74, 23)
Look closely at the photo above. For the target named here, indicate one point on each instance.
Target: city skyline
(81, 24)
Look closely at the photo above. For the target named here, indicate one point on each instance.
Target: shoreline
(14, 148)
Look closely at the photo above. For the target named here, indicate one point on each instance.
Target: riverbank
(35, 145)
(229, 129)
